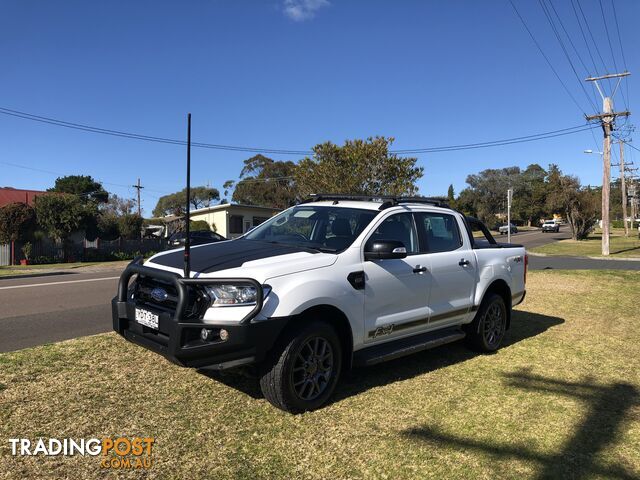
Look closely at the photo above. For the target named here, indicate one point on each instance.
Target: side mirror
(385, 249)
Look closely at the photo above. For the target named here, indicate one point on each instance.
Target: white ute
(334, 282)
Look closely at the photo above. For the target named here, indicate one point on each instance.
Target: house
(14, 195)
(232, 220)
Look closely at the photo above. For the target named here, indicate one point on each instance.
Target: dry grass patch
(561, 399)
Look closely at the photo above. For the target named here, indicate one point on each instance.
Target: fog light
(206, 334)
(224, 335)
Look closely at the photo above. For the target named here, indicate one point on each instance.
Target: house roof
(15, 195)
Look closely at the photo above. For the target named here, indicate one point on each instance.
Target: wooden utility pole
(138, 187)
(607, 119)
(623, 187)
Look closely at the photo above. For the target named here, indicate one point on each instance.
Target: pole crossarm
(610, 75)
(602, 116)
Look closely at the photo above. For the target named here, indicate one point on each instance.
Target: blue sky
(289, 74)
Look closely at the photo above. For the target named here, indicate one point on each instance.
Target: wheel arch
(501, 288)
(331, 315)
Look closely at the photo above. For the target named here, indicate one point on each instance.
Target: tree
(88, 189)
(486, 195)
(60, 215)
(265, 182)
(174, 203)
(199, 225)
(451, 195)
(358, 167)
(130, 225)
(118, 206)
(17, 220)
(579, 205)
(529, 196)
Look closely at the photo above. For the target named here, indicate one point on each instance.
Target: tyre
(487, 330)
(303, 372)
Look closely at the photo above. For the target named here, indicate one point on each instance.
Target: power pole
(509, 198)
(138, 187)
(607, 119)
(623, 187)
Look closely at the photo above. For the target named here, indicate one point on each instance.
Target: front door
(396, 290)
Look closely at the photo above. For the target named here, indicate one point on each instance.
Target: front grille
(144, 286)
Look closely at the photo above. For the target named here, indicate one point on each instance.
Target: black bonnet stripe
(225, 255)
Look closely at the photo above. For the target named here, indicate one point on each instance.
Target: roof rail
(387, 200)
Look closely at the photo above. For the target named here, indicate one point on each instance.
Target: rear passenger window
(440, 231)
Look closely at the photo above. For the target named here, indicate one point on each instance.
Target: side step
(406, 346)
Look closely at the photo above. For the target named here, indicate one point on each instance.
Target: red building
(15, 195)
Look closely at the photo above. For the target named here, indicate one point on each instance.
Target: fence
(5, 254)
(48, 251)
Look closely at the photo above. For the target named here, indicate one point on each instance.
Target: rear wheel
(304, 371)
(487, 330)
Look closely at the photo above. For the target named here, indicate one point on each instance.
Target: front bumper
(178, 338)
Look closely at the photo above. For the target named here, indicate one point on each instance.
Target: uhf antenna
(187, 240)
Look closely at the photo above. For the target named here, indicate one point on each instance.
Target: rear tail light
(526, 265)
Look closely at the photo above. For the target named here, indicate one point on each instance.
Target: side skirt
(406, 346)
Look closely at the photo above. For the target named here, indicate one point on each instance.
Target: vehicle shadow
(523, 325)
(607, 407)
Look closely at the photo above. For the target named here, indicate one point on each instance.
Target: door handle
(463, 262)
(419, 269)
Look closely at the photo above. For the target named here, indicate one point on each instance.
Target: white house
(232, 220)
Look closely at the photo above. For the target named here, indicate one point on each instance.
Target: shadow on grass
(523, 325)
(607, 407)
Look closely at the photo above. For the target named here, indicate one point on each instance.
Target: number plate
(147, 318)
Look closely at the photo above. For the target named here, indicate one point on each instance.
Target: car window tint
(397, 227)
(440, 231)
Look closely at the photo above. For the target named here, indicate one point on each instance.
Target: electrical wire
(546, 58)
(595, 44)
(507, 141)
(624, 59)
(566, 53)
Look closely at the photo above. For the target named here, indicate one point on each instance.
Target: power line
(624, 59)
(595, 44)
(564, 49)
(136, 136)
(495, 143)
(545, 57)
(584, 37)
(507, 141)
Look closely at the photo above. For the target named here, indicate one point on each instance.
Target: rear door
(396, 290)
(453, 266)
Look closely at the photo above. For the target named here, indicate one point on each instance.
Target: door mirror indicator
(385, 249)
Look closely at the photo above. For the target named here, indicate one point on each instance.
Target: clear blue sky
(290, 74)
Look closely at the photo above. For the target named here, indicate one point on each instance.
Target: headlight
(222, 295)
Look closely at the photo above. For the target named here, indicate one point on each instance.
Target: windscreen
(329, 229)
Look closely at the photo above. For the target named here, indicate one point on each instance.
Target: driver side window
(398, 227)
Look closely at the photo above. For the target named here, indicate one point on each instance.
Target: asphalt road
(46, 309)
(51, 308)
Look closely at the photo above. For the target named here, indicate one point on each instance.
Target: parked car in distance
(334, 282)
(550, 226)
(504, 229)
(198, 237)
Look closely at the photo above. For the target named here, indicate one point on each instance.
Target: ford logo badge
(159, 294)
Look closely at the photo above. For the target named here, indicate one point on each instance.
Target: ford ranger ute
(334, 282)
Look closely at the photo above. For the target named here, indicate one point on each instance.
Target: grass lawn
(560, 400)
(32, 269)
(619, 246)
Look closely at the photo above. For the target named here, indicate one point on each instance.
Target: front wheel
(304, 372)
(487, 330)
